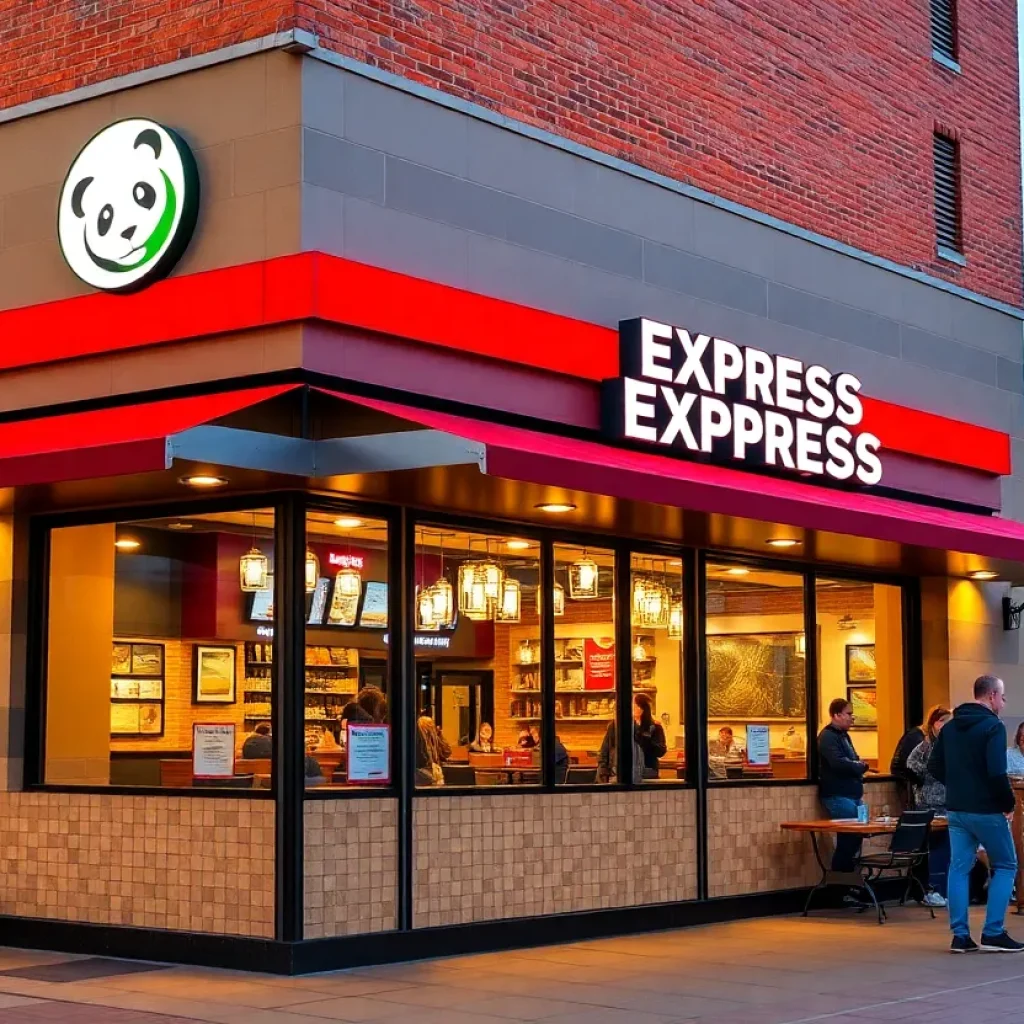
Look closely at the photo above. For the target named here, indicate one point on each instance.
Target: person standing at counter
(969, 757)
(841, 787)
(484, 742)
(648, 735)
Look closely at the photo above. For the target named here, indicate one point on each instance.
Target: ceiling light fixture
(253, 567)
(127, 544)
(204, 480)
(348, 523)
(737, 571)
(983, 574)
(556, 507)
(517, 545)
(783, 542)
(179, 526)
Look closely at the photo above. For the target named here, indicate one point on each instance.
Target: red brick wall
(820, 112)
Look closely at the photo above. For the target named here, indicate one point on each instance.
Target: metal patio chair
(908, 848)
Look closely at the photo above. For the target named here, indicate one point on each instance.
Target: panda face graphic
(128, 206)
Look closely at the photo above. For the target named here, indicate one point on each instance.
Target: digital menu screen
(318, 604)
(374, 614)
(262, 607)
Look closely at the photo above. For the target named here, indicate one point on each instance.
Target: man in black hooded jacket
(969, 757)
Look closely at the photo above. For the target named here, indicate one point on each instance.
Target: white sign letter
(652, 351)
(634, 392)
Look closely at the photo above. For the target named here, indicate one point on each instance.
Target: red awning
(549, 460)
(110, 442)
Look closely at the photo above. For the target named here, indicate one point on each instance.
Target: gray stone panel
(988, 329)
(323, 103)
(332, 163)
(678, 271)
(1009, 374)
(927, 349)
(323, 220)
(813, 313)
(393, 122)
(443, 197)
(408, 244)
(733, 240)
(561, 234)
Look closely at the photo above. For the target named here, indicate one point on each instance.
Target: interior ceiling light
(783, 542)
(480, 588)
(348, 583)
(425, 618)
(127, 544)
(737, 570)
(517, 545)
(348, 523)
(179, 526)
(556, 506)
(983, 574)
(675, 620)
(510, 605)
(204, 480)
(557, 599)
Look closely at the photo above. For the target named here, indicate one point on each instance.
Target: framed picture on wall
(860, 664)
(121, 664)
(147, 660)
(865, 708)
(213, 674)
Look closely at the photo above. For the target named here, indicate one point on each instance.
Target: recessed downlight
(179, 526)
(517, 545)
(204, 480)
(737, 570)
(783, 542)
(556, 507)
(983, 574)
(127, 544)
(348, 523)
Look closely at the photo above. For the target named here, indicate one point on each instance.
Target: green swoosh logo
(156, 241)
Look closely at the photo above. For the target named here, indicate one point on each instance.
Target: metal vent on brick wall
(947, 193)
(944, 27)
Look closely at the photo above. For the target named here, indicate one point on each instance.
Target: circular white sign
(128, 206)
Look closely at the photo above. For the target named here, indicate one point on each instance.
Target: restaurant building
(322, 380)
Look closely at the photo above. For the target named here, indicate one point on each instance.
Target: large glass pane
(477, 653)
(586, 679)
(159, 652)
(348, 732)
(756, 669)
(860, 659)
(656, 596)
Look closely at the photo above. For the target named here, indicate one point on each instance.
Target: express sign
(694, 394)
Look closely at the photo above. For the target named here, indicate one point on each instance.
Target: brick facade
(820, 114)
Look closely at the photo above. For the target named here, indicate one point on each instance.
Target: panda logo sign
(128, 206)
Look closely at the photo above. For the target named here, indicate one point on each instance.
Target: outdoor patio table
(866, 830)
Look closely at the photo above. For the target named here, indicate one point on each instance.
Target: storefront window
(656, 598)
(860, 657)
(586, 681)
(756, 671)
(160, 651)
(348, 733)
(478, 659)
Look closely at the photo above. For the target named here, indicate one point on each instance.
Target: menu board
(375, 606)
(758, 745)
(213, 750)
(318, 605)
(599, 664)
(369, 753)
(262, 609)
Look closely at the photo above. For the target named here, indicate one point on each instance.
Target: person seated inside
(372, 700)
(1015, 755)
(432, 750)
(725, 753)
(484, 742)
(314, 774)
(258, 745)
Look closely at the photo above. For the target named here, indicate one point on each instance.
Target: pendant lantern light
(675, 620)
(312, 571)
(348, 583)
(254, 566)
(583, 579)
(425, 618)
(473, 600)
(442, 595)
(511, 604)
(557, 599)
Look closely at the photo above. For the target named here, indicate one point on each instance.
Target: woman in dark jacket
(648, 734)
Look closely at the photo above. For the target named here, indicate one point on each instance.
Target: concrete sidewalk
(834, 967)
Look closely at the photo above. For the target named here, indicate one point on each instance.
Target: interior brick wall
(819, 113)
(180, 863)
(488, 858)
(351, 867)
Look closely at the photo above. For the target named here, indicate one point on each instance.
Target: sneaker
(1001, 943)
(933, 899)
(963, 944)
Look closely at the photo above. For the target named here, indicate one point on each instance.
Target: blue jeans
(847, 846)
(938, 861)
(966, 833)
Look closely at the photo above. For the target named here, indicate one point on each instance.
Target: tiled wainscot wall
(351, 866)
(493, 857)
(181, 863)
